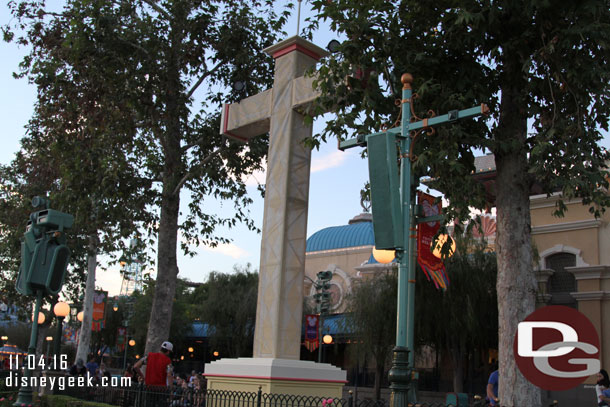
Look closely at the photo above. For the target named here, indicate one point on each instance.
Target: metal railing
(140, 395)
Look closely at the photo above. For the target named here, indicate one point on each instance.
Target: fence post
(138, 402)
(350, 399)
(259, 396)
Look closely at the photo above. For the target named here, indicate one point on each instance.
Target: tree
(464, 318)
(180, 320)
(227, 303)
(74, 154)
(157, 56)
(536, 61)
(372, 316)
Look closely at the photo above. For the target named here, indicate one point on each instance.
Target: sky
(335, 183)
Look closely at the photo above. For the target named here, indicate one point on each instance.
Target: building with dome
(346, 251)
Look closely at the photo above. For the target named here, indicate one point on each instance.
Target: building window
(562, 282)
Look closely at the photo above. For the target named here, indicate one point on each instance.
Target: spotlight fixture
(333, 46)
(238, 86)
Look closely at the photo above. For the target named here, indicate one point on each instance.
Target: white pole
(299, 17)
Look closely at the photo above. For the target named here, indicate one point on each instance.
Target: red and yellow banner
(121, 337)
(99, 310)
(312, 325)
(433, 267)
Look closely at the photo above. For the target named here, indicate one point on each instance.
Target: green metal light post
(394, 221)
(61, 311)
(24, 397)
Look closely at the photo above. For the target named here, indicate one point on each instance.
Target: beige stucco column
(277, 339)
(593, 296)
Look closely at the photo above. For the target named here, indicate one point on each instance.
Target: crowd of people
(154, 370)
(91, 369)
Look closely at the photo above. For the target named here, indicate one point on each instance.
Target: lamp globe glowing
(80, 316)
(384, 256)
(41, 318)
(327, 339)
(437, 246)
(61, 309)
(132, 342)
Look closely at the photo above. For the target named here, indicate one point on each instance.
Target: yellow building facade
(573, 265)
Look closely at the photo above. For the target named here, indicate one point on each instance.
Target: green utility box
(44, 254)
(385, 191)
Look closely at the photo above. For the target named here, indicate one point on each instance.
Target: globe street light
(131, 343)
(41, 318)
(61, 310)
(383, 256)
(80, 316)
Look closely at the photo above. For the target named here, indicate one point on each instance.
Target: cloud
(332, 160)
(228, 249)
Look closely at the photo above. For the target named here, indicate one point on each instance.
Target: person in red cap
(158, 366)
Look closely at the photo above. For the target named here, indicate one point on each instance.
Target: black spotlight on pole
(333, 46)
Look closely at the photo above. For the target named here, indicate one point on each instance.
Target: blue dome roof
(340, 237)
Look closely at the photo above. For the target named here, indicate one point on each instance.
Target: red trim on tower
(296, 379)
(296, 47)
(225, 124)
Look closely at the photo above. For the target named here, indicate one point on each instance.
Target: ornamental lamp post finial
(407, 80)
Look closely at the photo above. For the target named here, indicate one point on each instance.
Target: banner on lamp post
(99, 310)
(120, 338)
(312, 324)
(433, 267)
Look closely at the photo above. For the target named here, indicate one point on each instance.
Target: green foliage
(227, 302)
(372, 316)
(182, 312)
(7, 395)
(545, 62)
(466, 315)
(123, 76)
(65, 401)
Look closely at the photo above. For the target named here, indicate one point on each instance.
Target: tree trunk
(167, 269)
(167, 265)
(516, 284)
(84, 337)
(379, 368)
(457, 358)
